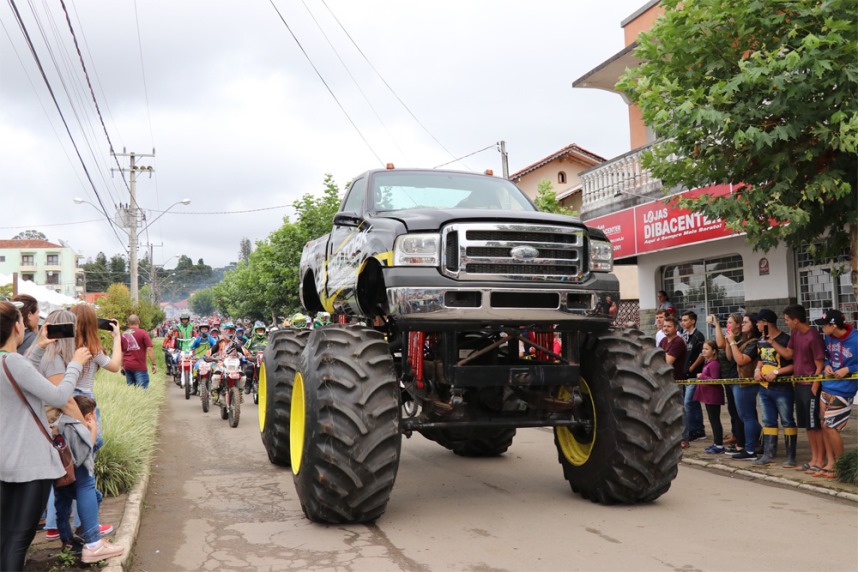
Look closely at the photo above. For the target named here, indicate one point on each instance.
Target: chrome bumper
(498, 304)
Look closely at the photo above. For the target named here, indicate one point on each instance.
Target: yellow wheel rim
(575, 444)
(262, 392)
(297, 420)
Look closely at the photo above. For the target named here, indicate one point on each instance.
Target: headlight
(601, 256)
(417, 250)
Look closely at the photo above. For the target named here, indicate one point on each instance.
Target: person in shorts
(839, 383)
(806, 350)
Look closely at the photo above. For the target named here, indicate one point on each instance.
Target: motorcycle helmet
(185, 316)
(323, 318)
(215, 331)
(299, 321)
(258, 326)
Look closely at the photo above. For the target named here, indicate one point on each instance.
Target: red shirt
(677, 349)
(134, 345)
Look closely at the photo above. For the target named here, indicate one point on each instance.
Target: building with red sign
(700, 263)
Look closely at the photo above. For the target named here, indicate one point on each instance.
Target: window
(2, 259)
(27, 260)
(53, 278)
(354, 202)
(27, 277)
(713, 286)
(820, 287)
(53, 260)
(561, 178)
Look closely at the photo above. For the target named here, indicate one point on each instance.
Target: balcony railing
(621, 175)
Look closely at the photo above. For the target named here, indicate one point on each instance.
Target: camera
(105, 324)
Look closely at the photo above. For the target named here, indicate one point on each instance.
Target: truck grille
(519, 251)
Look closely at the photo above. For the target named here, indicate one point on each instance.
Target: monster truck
(470, 314)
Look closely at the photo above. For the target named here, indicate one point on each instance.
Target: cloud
(240, 120)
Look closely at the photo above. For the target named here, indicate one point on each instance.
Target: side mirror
(347, 219)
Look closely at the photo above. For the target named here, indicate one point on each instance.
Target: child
(81, 440)
(712, 396)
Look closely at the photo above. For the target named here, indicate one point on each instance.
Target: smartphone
(60, 331)
(105, 324)
(766, 331)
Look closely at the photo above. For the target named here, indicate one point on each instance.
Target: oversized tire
(204, 394)
(234, 409)
(276, 375)
(473, 442)
(344, 425)
(632, 452)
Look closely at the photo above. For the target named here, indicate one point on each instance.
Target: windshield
(394, 191)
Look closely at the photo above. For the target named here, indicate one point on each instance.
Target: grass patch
(846, 467)
(129, 419)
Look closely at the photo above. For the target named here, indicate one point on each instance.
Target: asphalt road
(216, 503)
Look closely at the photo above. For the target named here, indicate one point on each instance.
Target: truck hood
(425, 220)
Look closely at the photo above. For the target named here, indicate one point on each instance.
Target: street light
(133, 235)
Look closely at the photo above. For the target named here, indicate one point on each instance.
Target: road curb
(804, 487)
(126, 534)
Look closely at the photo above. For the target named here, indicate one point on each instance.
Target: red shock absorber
(342, 319)
(546, 340)
(416, 340)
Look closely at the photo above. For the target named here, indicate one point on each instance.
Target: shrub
(129, 418)
(846, 467)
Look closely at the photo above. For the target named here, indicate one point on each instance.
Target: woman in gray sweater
(28, 462)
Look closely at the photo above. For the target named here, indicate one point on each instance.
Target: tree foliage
(30, 234)
(761, 95)
(202, 302)
(117, 304)
(266, 285)
(546, 200)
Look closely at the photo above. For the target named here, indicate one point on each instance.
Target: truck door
(346, 246)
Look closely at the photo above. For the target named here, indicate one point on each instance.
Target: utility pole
(504, 159)
(133, 213)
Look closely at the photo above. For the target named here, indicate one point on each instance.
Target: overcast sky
(239, 119)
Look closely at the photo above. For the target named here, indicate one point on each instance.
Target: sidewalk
(124, 512)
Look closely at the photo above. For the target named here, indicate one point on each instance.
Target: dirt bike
(229, 379)
(204, 381)
(254, 380)
(186, 372)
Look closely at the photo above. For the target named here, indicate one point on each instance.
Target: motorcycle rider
(240, 337)
(322, 319)
(200, 346)
(298, 321)
(227, 344)
(255, 343)
(186, 331)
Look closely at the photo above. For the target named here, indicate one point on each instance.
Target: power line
(399, 99)
(23, 27)
(224, 212)
(354, 80)
(465, 156)
(318, 73)
(34, 226)
(91, 91)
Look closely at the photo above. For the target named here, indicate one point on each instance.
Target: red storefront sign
(660, 225)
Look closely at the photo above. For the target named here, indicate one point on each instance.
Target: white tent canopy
(48, 299)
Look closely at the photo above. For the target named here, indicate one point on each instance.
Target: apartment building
(54, 266)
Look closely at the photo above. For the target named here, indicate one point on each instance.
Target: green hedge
(129, 419)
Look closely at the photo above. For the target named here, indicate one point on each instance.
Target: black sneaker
(744, 456)
(697, 435)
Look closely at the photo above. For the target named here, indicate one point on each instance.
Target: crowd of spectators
(765, 371)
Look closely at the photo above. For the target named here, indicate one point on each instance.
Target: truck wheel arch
(309, 296)
(371, 291)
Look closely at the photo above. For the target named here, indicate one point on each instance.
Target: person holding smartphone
(28, 465)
